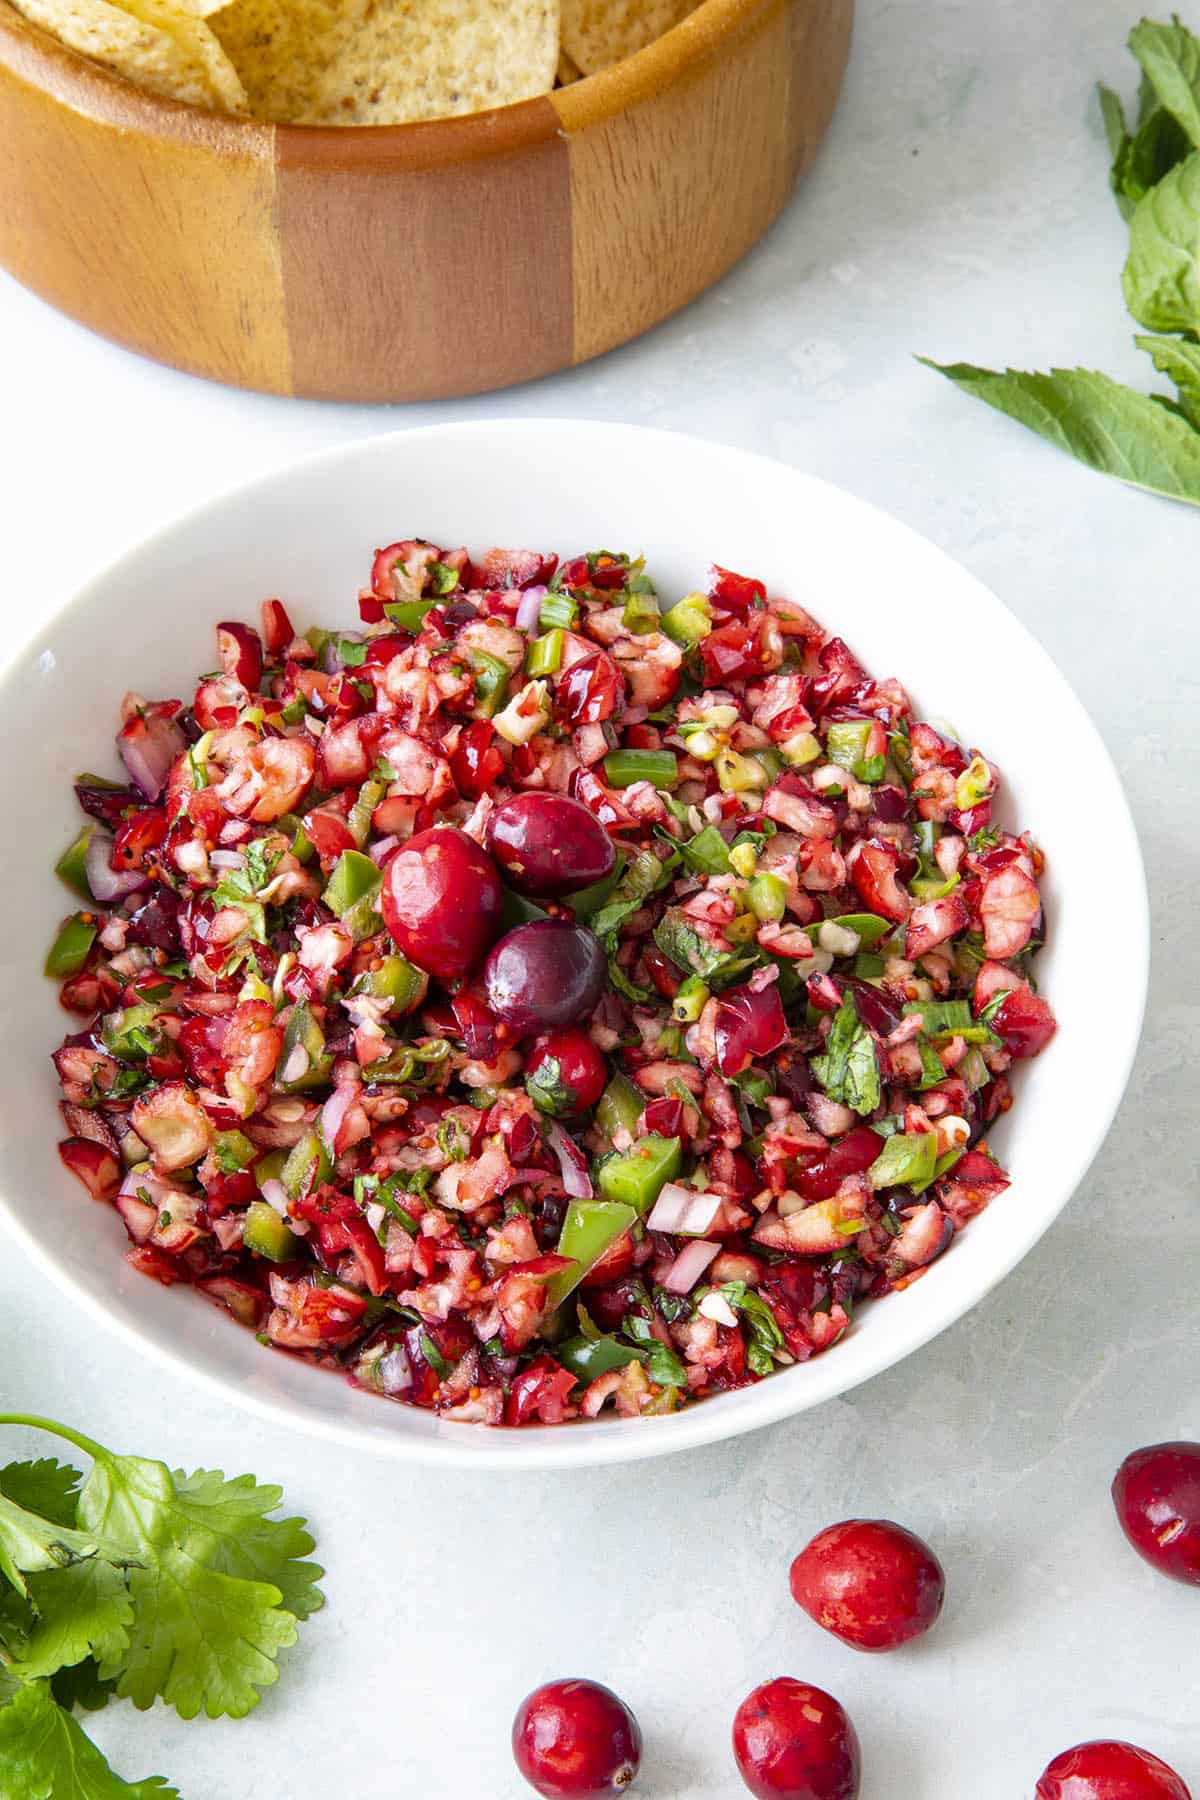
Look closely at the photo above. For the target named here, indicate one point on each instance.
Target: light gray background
(960, 209)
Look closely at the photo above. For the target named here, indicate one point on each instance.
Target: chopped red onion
(276, 1196)
(149, 753)
(682, 1210)
(334, 1112)
(382, 848)
(529, 610)
(106, 884)
(572, 1162)
(689, 1266)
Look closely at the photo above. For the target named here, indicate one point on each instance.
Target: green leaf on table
(82, 1685)
(1155, 148)
(200, 1638)
(1170, 59)
(45, 1755)
(29, 1544)
(1180, 361)
(1109, 427)
(47, 1487)
(1161, 278)
(81, 1611)
(248, 1544)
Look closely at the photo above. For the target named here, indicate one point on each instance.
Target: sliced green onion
(690, 1000)
(558, 609)
(623, 767)
(767, 895)
(544, 655)
(641, 614)
(689, 621)
(358, 820)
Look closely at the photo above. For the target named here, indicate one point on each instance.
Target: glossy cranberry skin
(544, 974)
(869, 1582)
(548, 845)
(794, 1742)
(1109, 1770)
(1157, 1496)
(441, 901)
(574, 1738)
(587, 692)
(749, 1024)
(850, 1155)
(582, 1070)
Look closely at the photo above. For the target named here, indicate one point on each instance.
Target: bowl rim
(97, 92)
(728, 1415)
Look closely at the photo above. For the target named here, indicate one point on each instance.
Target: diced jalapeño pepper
(69, 951)
(70, 866)
(491, 683)
(620, 1106)
(690, 1000)
(767, 895)
(589, 1229)
(306, 1152)
(586, 1358)
(689, 621)
(638, 1177)
(623, 767)
(294, 1073)
(846, 741)
(397, 980)
(359, 817)
(265, 1233)
(355, 878)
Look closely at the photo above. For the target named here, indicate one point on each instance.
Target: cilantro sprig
(140, 1581)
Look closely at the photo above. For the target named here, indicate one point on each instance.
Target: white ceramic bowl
(307, 535)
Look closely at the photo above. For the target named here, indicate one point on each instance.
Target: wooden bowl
(410, 262)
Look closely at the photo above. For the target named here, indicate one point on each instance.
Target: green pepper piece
(303, 1032)
(491, 683)
(846, 741)
(409, 615)
(397, 980)
(620, 1106)
(307, 1150)
(586, 1358)
(906, 1160)
(690, 1000)
(638, 1176)
(358, 819)
(71, 865)
(354, 878)
(869, 927)
(265, 1233)
(302, 847)
(232, 1152)
(589, 1229)
(767, 895)
(270, 1167)
(623, 767)
(771, 761)
(641, 615)
(544, 655)
(70, 949)
(689, 621)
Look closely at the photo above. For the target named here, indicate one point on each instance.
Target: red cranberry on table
(1109, 1770)
(574, 1738)
(870, 1582)
(441, 901)
(794, 1742)
(1157, 1496)
(549, 845)
(546, 973)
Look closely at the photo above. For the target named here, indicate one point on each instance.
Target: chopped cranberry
(476, 764)
(1106, 1769)
(241, 653)
(869, 1582)
(1157, 1496)
(851, 1155)
(738, 652)
(588, 692)
(739, 592)
(575, 1738)
(792, 1741)
(749, 1024)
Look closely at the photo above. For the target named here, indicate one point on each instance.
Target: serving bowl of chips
(398, 199)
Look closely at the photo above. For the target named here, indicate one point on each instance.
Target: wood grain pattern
(149, 221)
(420, 261)
(415, 261)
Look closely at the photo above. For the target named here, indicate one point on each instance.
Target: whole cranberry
(1157, 1496)
(794, 1742)
(543, 974)
(870, 1583)
(1109, 1770)
(441, 901)
(549, 845)
(566, 1073)
(574, 1738)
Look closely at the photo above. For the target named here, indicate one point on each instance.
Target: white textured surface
(960, 209)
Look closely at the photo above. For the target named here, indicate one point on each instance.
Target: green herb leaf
(29, 1544)
(1180, 361)
(45, 1755)
(849, 1068)
(1093, 418)
(1161, 278)
(82, 1611)
(763, 1336)
(662, 1365)
(1170, 57)
(46, 1487)
(245, 1542)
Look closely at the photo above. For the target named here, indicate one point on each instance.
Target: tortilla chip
(198, 45)
(140, 53)
(596, 33)
(385, 62)
(568, 70)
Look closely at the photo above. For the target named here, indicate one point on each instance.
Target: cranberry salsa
(548, 996)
